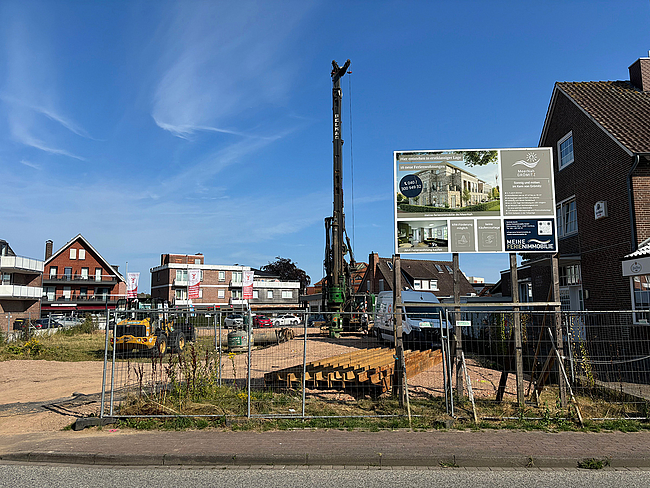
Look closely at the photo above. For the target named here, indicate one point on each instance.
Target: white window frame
(98, 275)
(269, 294)
(73, 253)
(560, 214)
(237, 276)
(222, 276)
(84, 273)
(434, 285)
(561, 162)
(287, 294)
(53, 271)
(256, 293)
(82, 254)
(221, 293)
(641, 315)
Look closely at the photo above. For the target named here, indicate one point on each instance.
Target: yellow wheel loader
(145, 326)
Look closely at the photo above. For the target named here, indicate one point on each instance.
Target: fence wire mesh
(456, 363)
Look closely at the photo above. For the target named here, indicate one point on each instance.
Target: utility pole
(336, 224)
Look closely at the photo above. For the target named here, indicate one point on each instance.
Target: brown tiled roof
(416, 269)
(620, 108)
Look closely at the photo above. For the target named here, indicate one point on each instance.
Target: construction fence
(460, 364)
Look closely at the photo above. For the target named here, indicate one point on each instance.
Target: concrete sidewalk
(496, 449)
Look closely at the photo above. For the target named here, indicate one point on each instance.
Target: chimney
(640, 74)
(48, 249)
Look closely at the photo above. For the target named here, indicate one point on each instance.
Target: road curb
(376, 462)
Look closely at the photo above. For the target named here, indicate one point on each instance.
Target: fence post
(101, 413)
(458, 332)
(398, 369)
(555, 270)
(519, 363)
(304, 366)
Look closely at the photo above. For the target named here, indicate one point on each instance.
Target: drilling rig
(339, 298)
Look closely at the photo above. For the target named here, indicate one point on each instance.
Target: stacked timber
(372, 368)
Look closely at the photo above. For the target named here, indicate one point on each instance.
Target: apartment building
(221, 285)
(20, 287)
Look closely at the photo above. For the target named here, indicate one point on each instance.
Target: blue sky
(185, 127)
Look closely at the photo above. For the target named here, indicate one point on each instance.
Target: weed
(593, 463)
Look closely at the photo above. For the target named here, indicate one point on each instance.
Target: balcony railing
(20, 263)
(101, 298)
(80, 278)
(21, 292)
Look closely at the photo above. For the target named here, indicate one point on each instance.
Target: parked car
(46, 323)
(287, 319)
(262, 321)
(316, 320)
(234, 320)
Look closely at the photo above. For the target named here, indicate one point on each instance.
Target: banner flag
(132, 280)
(194, 276)
(248, 285)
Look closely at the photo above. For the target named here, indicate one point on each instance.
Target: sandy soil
(39, 396)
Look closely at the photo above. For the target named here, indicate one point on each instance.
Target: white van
(420, 325)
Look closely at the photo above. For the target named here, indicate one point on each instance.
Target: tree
(479, 158)
(288, 271)
(466, 196)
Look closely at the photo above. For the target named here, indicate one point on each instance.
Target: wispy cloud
(221, 60)
(29, 93)
(30, 164)
(20, 128)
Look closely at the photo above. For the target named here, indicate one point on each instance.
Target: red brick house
(77, 279)
(600, 132)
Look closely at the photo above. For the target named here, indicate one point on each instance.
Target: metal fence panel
(296, 368)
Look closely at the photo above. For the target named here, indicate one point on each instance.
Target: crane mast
(336, 291)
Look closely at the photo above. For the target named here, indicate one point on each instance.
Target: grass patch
(57, 347)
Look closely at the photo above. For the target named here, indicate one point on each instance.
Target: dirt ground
(41, 396)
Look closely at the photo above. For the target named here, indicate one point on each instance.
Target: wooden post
(519, 362)
(398, 386)
(457, 330)
(555, 269)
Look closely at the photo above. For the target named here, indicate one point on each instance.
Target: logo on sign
(531, 161)
(636, 267)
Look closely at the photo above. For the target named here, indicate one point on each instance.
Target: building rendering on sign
(446, 185)
(20, 287)
(600, 136)
(78, 280)
(221, 286)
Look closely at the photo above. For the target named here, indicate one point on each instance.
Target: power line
(351, 158)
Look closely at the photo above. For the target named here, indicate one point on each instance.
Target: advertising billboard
(474, 200)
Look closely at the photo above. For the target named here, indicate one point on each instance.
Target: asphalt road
(13, 475)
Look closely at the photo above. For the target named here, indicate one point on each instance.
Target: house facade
(221, 286)
(20, 287)
(78, 280)
(444, 187)
(419, 275)
(600, 134)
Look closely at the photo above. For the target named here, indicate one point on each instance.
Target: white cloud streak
(28, 93)
(222, 60)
